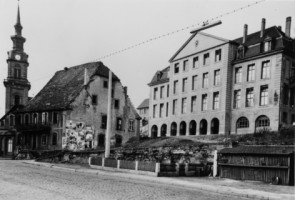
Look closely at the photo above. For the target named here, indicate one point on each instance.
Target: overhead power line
(179, 30)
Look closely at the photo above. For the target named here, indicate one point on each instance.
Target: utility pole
(109, 118)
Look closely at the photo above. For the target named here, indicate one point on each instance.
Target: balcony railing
(33, 127)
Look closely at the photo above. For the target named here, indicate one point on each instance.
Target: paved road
(23, 181)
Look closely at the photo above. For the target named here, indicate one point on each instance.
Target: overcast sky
(65, 33)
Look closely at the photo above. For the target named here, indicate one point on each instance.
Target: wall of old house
(88, 116)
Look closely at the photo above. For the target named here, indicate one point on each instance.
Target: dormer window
(267, 45)
(159, 75)
(240, 52)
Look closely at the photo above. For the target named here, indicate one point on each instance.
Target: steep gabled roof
(253, 41)
(160, 77)
(144, 104)
(64, 87)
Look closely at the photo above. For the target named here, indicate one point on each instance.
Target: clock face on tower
(17, 57)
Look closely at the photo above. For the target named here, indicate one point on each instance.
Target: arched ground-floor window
(261, 122)
(214, 126)
(154, 131)
(182, 128)
(193, 127)
(163, 130)
(173, 129)
(203, 127)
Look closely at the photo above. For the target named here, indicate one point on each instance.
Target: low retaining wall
(152, 168)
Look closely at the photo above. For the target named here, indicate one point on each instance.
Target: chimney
(85, 76)
(245, 33)
(288, 26)
(125, 90)
(262, 27)
(280, 28)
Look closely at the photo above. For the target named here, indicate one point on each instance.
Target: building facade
(143, 110)
(213, 87)
(70, 112)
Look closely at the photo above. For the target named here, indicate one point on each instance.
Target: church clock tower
(17, 85)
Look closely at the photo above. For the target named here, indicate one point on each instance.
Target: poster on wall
(78, 136)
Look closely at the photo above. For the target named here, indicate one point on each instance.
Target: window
(55, 118)
(9, 148)
(265, 72)
(35, 118)
(161, 92)
(285, 117)
(44, 140)
(94, 99)
(267, 46)
(194, 104)
(194, 82)
(237, 99)
(11, 120)
(183, 106)
(293, 119)
(131, 125)
(206, 59)
(27, 119)
(174, 106)
(103, 121)
(238, 75)
(176, 68)
(175, 89)
(185, 65)
(117, 104)
(167, 90)
(251, 73)
(16, 72)
(44, 118)
(204, 102)
(240, 52)
(161, 113)
(155, 93)
(249, 97)
(184, 84)
(263, 95)
(217, 77)
(262, 121)
(105, 84)
(218, 55)
(167, 109)
(119, 123)
(243, 122)
(195, 62)
(215, 100)
(154, 111)
(54, 138)
(16, 100)
(205, 80)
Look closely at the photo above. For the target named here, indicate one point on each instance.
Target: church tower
(17, 85)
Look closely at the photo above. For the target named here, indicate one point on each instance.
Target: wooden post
(109, 117)
(215, 164)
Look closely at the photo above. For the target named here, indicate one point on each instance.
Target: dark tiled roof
(13, 109)
(64, 87)
(252, 149)
(144, 104)
(254, 40)
(160, 77)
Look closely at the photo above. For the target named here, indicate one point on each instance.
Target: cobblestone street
(23, 181)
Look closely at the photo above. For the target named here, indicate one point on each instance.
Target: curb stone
(225, 190)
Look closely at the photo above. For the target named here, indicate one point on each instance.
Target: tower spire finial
(18, 15)
(18, 27)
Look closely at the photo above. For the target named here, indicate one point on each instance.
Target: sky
(65, 33)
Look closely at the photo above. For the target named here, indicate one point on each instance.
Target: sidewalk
(250, 189)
